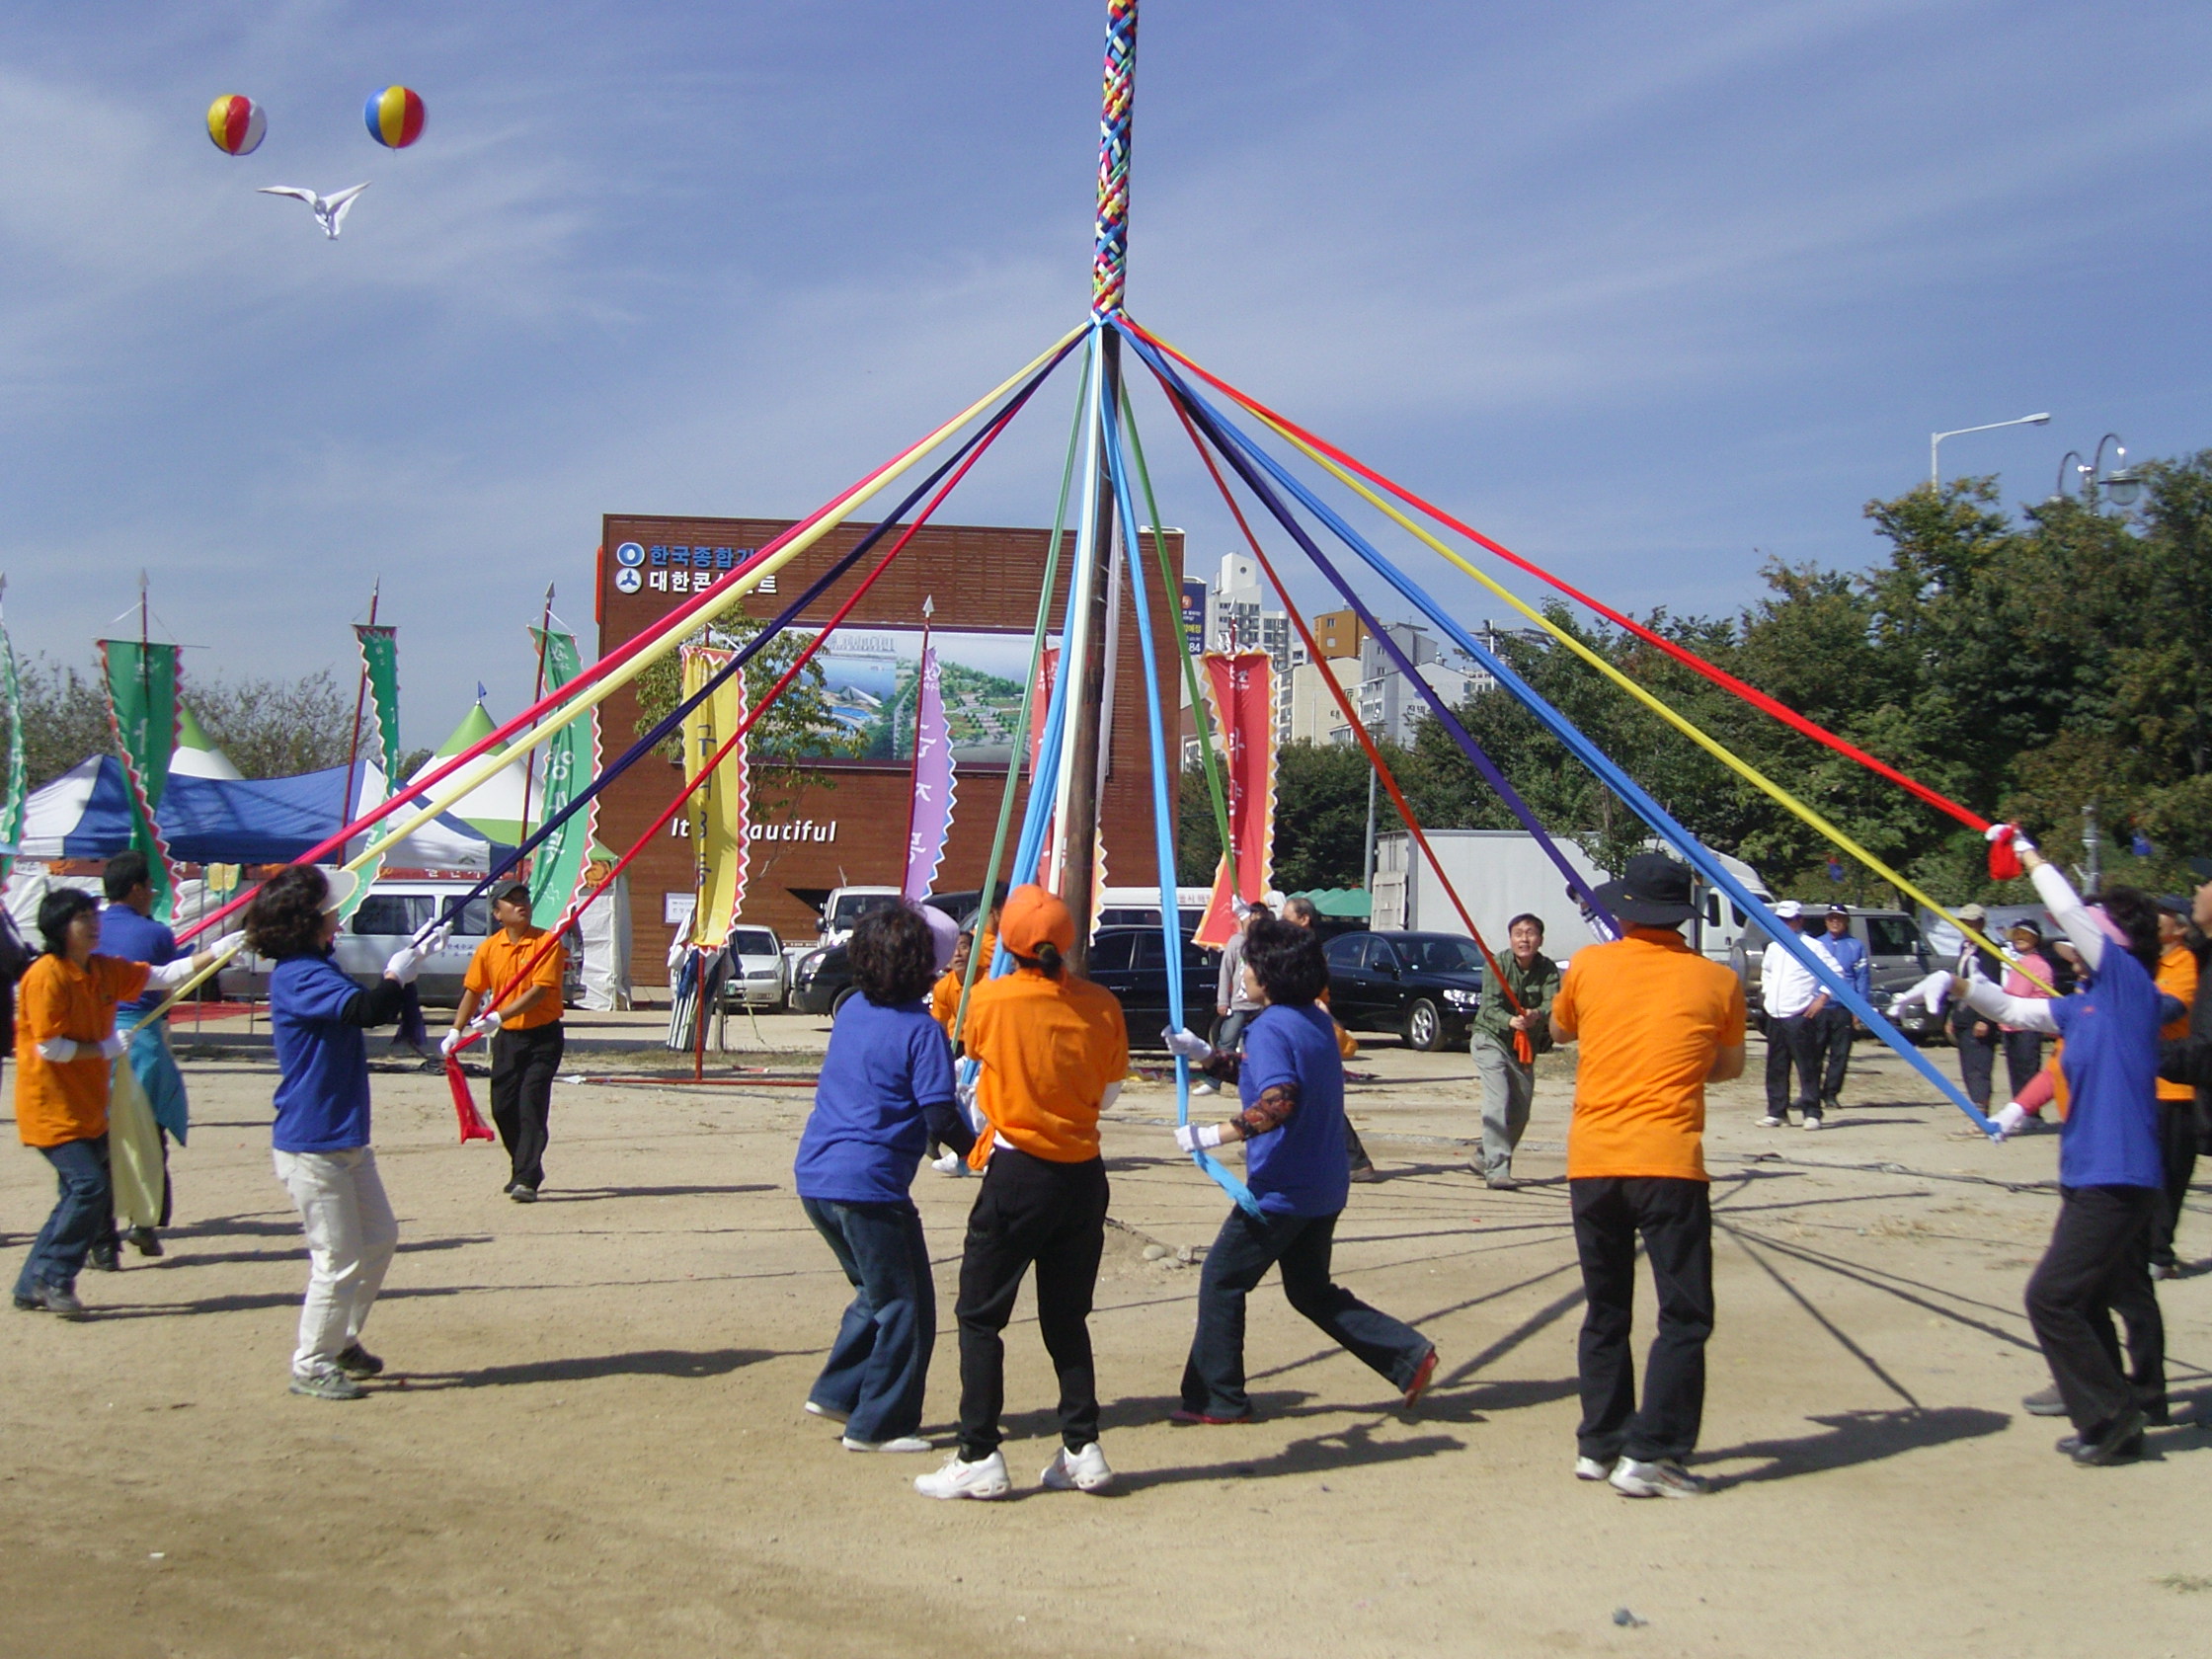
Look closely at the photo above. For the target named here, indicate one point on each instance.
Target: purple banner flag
(929, 817)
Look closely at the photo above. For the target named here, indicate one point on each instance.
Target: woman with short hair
(316, 1017)
(1292, 1085)
(66, 1046)
(886, 1091)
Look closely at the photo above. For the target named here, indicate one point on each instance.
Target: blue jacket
(1850, 957)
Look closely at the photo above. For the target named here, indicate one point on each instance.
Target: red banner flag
(1241, 690)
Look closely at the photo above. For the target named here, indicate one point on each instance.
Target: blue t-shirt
(1299, 1169)
(125, 934)
(2111, 1061)
(322, 1097)
(867, 1132)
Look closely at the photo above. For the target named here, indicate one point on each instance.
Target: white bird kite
(330, 211)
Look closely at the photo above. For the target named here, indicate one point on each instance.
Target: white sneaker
(952, 1163)
(985, 1478)
(1770, 1121)
(905, 1442)
(1632, 1479)
(814, 1410)
(1079, 1471)
(1206, 1088)
(1812, 1123)
(1591, 1469)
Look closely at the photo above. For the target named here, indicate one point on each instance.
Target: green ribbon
(142, 708)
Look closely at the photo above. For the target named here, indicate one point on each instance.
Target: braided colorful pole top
(1108, 266)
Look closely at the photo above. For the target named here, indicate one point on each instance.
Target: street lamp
(2083, 473)
(2121, 484)
(1934, 441)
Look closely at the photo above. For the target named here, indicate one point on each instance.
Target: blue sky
(1652, 293)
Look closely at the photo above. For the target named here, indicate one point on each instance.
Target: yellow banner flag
(718, 817)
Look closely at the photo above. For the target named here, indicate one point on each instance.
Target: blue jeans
(1244, 1249)
(879, 1365)
(84, 1214)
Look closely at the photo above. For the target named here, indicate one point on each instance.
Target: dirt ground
(591, 1441)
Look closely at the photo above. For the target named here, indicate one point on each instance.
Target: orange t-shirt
(2176, 977)
(69, 1101)
(944, 999)
(499, 959)
(1650, 1016)
(1049, 1048)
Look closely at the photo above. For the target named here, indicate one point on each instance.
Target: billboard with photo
(871, 675)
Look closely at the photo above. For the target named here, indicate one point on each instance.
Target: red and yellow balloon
(394, 116)
(237, 124)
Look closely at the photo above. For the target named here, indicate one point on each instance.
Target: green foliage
(269, 728)
(2025, 667)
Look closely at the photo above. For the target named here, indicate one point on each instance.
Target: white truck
(1501, 873)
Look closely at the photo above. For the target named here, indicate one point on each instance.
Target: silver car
(756, 969)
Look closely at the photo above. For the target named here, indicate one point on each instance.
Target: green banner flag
(572, 756)
(15, 776)
(380, 676)
(142, 710)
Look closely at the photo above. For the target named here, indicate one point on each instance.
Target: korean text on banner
(1242, 688)
(142, 712)
(929, 819)
(718, 815)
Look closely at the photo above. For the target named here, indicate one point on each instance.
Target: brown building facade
(851, 829)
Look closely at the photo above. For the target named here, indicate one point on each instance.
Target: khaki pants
(1509, 1089)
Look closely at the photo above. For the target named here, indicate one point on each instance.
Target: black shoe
(2120, 1443)
(51, 1300)
(1829, 1103)
(2158, 1413)
(522, 1194)
(145, 1241)
(357, 1362)
(104, 1261)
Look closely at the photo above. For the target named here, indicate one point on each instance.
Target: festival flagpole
(1087, 659)
(544, 637)
(354, 742)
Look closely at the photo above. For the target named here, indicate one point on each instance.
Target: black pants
(1243, 1250)
(1835, 1032)
(2098, 1264)
(1030, 1209)
(2178, 1134)
(1977, 1059)
(2024, 1058)
(1674, 1218)
(1792, 1042)
(522, 1066)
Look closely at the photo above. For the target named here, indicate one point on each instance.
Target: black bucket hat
(1654, 892)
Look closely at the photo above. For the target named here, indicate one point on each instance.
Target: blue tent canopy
(86, 814)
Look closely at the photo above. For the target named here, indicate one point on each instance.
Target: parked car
(1897, 959)
(1131, 963)
(1422, 985)
(757, 972)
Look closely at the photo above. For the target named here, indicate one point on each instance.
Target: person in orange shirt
(1656, 1022)
(2177, 1114)
(526, 1034)
(66, 1046)
(1053, 1052)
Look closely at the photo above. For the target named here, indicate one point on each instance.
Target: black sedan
(1422, 985)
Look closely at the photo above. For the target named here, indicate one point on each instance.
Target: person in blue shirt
(886, 1091)
(317, 1016)
(2110, 1167)
(1290, 1081)
(1836, 1030)
(127, 930)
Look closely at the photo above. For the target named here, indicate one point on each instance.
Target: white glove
(1188, 1044)
(113, 1045)
(486, 1023)
(430, 938)
(2017, 836)
(2008, 1122)
(404, 964)
(1192, 1138)
(228, 944)
(453, 1042)
(1933, 989)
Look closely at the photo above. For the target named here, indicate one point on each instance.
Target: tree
(64, 718)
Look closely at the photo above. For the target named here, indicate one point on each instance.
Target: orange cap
(1033, 917)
